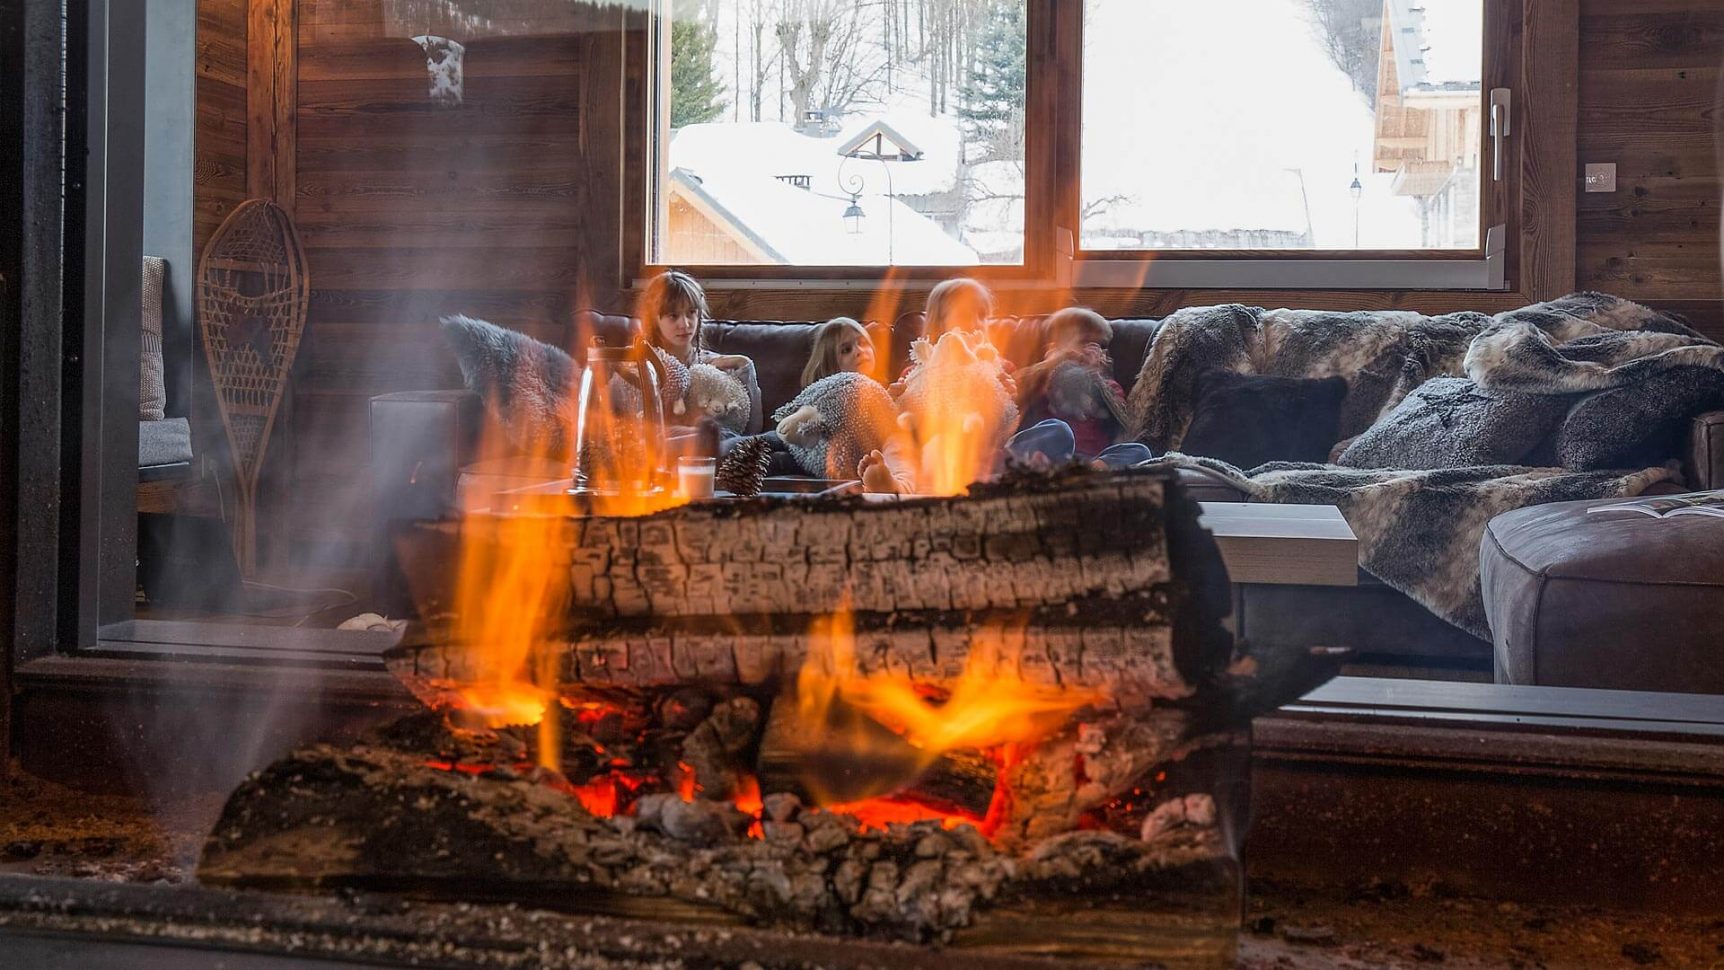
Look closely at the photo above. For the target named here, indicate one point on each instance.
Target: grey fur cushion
(1642, 424)
(1447, 422)
(1247, 420)
(528, 386)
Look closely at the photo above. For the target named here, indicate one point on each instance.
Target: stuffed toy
(673, 387)
(957, 389)
(834, 422)
(1077, 391)
(716, 394)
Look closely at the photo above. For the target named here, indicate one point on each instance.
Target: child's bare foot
(876, 477)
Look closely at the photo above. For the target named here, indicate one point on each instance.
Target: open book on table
(1694, 503)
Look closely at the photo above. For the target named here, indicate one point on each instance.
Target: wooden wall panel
(410, 210)
(1649, 101)
(220, 149)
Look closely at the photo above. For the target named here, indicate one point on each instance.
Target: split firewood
(848, 757)
(1063, 539)
(1124, 649)
(1085, 766)
(370, 817)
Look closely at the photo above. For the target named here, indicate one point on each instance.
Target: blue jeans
(1054, 442)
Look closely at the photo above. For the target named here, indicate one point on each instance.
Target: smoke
(483, 204)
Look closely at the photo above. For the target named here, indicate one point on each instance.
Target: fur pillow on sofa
(528, 386)
(1642, 424)
(1447, 422)
(1248, 420)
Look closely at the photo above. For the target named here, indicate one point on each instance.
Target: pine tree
(991, 104)
(696, 91)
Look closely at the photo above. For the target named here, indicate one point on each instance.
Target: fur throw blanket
(1419, 532)
(834, 422)
(1385, 354)
(1587, 382)
(527, 385)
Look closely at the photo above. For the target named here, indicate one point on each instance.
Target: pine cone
(743, 471)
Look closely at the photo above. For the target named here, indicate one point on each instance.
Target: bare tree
(831, 59)
(1351, 32)
(760, 16)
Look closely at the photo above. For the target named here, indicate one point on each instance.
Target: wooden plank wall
(1649, 89)
(219, 166)
(410, 210)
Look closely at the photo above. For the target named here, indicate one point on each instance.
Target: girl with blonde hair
(841, 345)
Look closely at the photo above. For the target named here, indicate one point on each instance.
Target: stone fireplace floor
(49, 830)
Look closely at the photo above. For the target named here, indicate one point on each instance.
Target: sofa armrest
(419, 442)
(1705, 469)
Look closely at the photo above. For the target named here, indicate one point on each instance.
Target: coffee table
(1283, 545)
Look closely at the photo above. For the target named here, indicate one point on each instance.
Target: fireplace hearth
(1009, 721)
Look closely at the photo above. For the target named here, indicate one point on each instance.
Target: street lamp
(1357, 191)
(853, 215)
(854, 184)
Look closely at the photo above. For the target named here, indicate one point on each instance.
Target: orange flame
(959, 406)
(508, 589)
(884, 306)
(886, 722)
(880, 813)
(512, 581)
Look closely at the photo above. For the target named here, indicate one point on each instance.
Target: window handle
(1501, 99)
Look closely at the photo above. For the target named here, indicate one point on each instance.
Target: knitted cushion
(152, 380)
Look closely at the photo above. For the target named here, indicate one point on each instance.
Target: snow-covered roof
(880, 132)
(1439, 44)
(756, 146)
(805, 227)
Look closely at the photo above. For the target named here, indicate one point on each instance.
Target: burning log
(850, 757)
(715, 749)
(1125, 650)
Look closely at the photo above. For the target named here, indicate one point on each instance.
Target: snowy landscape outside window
(1282, 125)
(841, 133)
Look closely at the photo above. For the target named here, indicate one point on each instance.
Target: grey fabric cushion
(1644, 423)
(1447, 422)
(1607, 600)
(165, 442)
(152, 383)
(527, 386)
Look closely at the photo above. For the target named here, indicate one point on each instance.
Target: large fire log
(1072, 581)
(684, 637)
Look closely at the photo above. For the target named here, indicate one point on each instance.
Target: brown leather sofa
(426, 443)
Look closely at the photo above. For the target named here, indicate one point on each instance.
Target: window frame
(1055, 259)
(1485, 267)
(1041, 255)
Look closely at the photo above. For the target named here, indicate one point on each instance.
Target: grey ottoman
(1613, 600)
